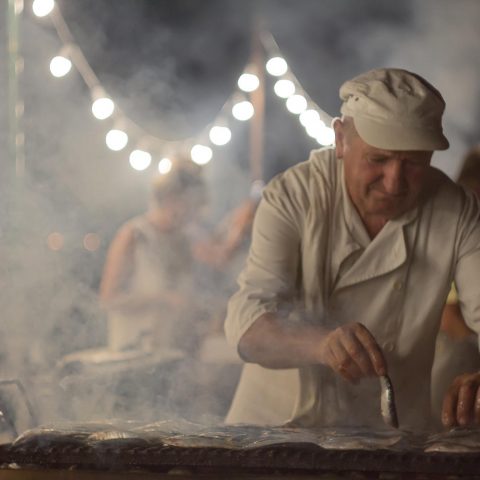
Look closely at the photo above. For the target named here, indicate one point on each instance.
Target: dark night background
(170, 66)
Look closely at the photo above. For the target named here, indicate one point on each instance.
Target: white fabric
(311, 255)
(161, 261)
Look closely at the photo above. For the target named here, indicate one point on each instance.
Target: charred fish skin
(387, 402)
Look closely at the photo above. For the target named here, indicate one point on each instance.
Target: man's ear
(339, 129)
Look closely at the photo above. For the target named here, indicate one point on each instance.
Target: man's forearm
(275, 343)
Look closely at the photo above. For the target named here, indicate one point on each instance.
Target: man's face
(381, 183)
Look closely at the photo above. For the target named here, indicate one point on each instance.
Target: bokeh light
(55, 241)
(248, 82)
(201, 154)
(41, 8)
(116, 140)
(140, 160)
(220, 135)
(309, 117)
(103, 108)
(284, 88)
(326, 136)
(164, 166)
(243, 110)
(91, 242)
(60, 66)
(296, 104)
(277, 66)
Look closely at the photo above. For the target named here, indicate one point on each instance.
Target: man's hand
(351, 351)
(461, 405)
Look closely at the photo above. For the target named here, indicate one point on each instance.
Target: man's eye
(415, 162)
(377, 160)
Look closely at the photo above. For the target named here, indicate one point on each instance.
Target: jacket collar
(385, 253)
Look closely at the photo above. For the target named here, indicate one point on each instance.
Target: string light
(103, 108)
(296, 104)
(60, 66)
(284, 88)
(243, 110)
(277, 66)
(116, 140)
(315, 129)
(201, 154)
(248, 82)
(164, 166)
(140, 160)
(42, 8)
(309, 117)
(326, 136)
(220, 135)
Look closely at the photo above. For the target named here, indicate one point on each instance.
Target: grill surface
(75, 450)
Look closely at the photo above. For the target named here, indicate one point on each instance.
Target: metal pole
(15, 103)
(258, 100)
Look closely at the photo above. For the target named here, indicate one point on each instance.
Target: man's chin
(389, 210)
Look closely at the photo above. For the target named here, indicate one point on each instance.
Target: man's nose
(393, 177)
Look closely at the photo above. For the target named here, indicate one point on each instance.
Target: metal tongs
(387, 402)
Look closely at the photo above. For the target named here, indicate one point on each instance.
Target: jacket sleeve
(467, 269)
(268, 283)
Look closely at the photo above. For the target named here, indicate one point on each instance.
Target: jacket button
(388, 347)
(398, 285)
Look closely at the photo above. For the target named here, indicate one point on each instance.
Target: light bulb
(326, 136)
(243, 110)
(201, 154)
(103, 108)
(164, 166)
(60, 66)
(296, 104)
(277, 66)
(309, 117)
(315, 129)
(41, 8)
(284, 88)
(116, 140)
(220, 135)
(248, 82)
(140, 160)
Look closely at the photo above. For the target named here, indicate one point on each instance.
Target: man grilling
(352, 257)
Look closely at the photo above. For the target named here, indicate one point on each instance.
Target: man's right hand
(352, 351)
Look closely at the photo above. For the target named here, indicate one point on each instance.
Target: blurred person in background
(151, 284)
(456, 349)
(146, 283)
(161, 304)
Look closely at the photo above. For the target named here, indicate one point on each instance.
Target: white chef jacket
(312, 258)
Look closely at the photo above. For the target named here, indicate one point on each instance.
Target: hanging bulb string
(224, 115)
(272, 48)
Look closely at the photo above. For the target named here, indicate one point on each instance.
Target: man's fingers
(343, 363)
(461, 405)
(465, 402)
(449, 407)
(352, 351)
(476, 412)
(357, 352)
(371, 347)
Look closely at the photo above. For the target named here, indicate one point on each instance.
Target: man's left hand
(461, 405)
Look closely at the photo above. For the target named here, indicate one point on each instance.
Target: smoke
(327, 44)
(171, 68)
